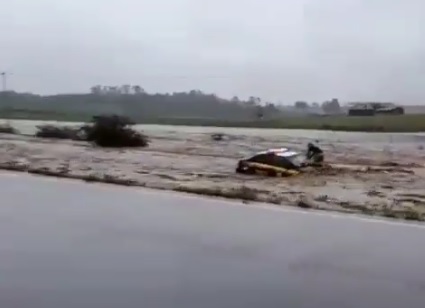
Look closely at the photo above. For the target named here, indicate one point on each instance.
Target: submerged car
(273, 162)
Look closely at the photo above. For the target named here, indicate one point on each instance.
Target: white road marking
(252, 206)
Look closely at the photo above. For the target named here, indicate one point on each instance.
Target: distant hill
(193, 104)
(150, 107)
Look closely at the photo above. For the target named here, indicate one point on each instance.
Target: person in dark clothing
(315, 154)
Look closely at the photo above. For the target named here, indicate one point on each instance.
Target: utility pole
(4, 80)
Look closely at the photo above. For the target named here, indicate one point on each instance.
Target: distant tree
(251, 101)
(332, 106)
(259, 112)
(96, 90)
(110, 90)
(270, 108)
(195, 92)
(235, 99)
(315, 105)
(138, 89)
(114, 90)
(301, 105)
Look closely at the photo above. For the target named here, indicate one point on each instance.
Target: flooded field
(372, 173)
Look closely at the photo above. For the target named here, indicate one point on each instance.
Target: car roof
(284, 152)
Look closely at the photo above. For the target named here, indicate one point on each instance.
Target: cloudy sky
(281, 50)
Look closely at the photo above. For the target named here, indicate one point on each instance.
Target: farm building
(371, 109)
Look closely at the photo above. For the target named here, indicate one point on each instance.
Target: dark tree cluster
(114, 131)
(104, 131)
(329, 107)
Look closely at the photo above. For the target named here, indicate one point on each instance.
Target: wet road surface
(70, 244)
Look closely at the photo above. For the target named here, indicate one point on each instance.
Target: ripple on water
(177, 132)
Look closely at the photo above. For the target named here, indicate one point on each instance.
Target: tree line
(134, 101)
(330, 107)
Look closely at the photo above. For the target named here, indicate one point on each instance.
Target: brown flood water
(186, 158)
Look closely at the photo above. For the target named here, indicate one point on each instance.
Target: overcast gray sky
(281, 50)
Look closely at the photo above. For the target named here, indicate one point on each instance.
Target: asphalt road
(70, 244)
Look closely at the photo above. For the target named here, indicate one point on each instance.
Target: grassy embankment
(383, 123)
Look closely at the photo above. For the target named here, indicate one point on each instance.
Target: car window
(283, 162)
(279, 161)
(260, 158)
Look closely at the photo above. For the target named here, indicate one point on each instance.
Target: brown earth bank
(360, 178)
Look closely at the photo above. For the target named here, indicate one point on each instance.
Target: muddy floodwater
(380, 174)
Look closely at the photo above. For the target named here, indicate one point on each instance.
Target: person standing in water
(314, 154)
